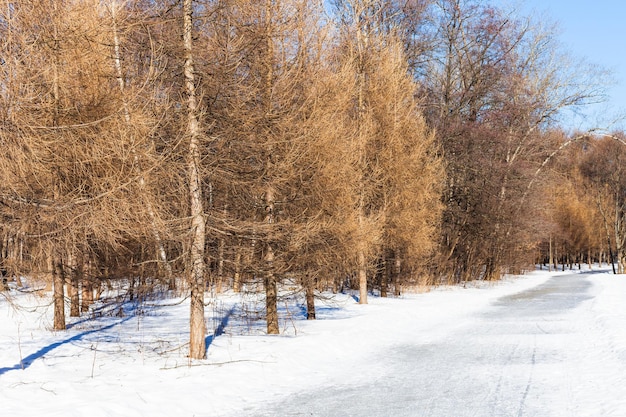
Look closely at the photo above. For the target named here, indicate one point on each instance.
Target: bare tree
(494, 84)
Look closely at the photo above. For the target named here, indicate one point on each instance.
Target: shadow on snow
(30, 359)
(219, 330)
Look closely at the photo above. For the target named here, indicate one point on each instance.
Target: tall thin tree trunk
(86, 295)
(4, 271)
(270, 281)
(221, 248)
(197, 334)
(73, 288)
(556, 258)
(397, 285)
(619, 242)
(58, 283)
(237, 273)
(611, 255)
(551, 262)
(58, 280)
(20, 263)
(362, 44)
(362, 275)
(271, 294)
(271, 286)
(385, 276)
(86, 285)
(310, 297)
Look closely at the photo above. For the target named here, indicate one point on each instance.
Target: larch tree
(197, 343)
(396, 173)
(68, 175)
(359, 43)
(411, 167)
(260, 123)
(118, 16)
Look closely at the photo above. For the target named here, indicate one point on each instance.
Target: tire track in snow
(533, 362)
(494, 396)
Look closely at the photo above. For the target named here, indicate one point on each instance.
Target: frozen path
(542, 352)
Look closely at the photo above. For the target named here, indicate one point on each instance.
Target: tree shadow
(30, 359)
(220, 328)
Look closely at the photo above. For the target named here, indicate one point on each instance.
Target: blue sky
(595, 30)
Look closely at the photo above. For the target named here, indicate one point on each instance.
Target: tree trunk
(386, 276)
(271, 295)
(221, 245)
(71, 272)
(55, 266)
(87, 295)
(221, 249)
(621, 259)
(4, 273)
(58, 282)
(362, 272)
(551, 262)
(74, 290)
(271, 286)
(397, 285)
(4, 286)
(86, 287)
(20, 260)
(197, 333)
(310, 298)
(237, 273)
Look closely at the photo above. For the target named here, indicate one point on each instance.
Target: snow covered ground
(545, 344)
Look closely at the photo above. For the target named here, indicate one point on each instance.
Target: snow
(544, 344)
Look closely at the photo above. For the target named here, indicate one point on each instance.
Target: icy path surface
(541, 352)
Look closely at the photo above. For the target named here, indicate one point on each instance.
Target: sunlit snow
(544, 344)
